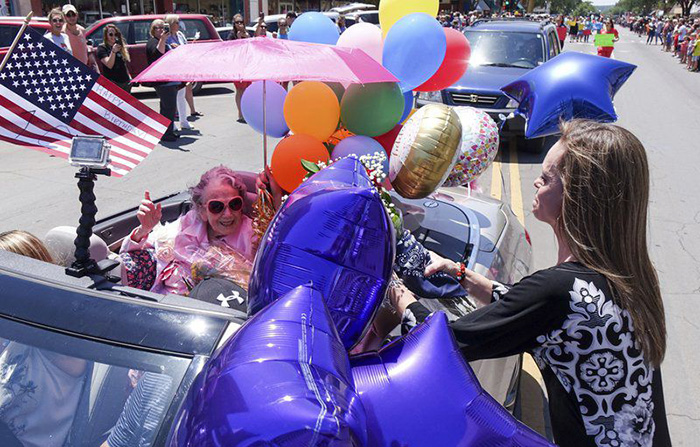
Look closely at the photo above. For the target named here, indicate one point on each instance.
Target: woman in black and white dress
(595, 321)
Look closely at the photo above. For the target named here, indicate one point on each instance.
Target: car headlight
(512, 104)
(430, 96)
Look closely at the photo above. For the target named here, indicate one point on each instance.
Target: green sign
(604, 40)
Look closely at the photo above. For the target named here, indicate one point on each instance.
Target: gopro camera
(89, 152)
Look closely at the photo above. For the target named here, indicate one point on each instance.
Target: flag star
(40, 45)
(37, 63)
(29, 91)
(25, 82)
(10, 66)
(52, 80)
(50, 98)
(15, 84)
(33, 55)
(53, 107)
(15, 56)
(3, 75)
(27, 37)
(42, 54)
(59, 98)
(81, 86)
(73, 87)
(47, 90)
(59, 71)
(55, 62)
(61, 80)
(30, 45)
(12, 74)
(49, 72)
(21, 74)
(43, 81)
(52, 53)
(56, 89)
(76, 96)
(41, 99)
(25, 55)
(79, 79)
(20, 46)
(76, 69)
(71, 105)
(30, 73)
(65, 114)
(70, 79)
(64, 61)
(64, 88)
(61, 106)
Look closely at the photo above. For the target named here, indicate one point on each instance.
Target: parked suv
(136, 31)
(10, 26)
(502, 51)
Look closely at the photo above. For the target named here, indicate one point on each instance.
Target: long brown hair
(604, 219)
(26, 244)
(118, 36)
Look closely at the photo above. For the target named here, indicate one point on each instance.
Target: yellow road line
(516, 195)
(496, 178)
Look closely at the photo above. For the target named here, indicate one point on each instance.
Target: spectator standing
(291, 17)
(114, 56)
(261, 30)
(166, 91)
(176, 39)
(696, 54)
(587, 26)
(239, 32)
(282, 29)
(573, 29)
(561, 31)
(659, 32)
(341, 24)
(56, 34)
(76, 37)
(651, 31)
(609, 28)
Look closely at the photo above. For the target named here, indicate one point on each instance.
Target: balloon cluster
(322, 121)
(284, 379)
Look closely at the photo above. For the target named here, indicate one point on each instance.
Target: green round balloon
(371, 109)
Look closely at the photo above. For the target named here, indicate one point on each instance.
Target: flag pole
(264, 117)
(16, 41)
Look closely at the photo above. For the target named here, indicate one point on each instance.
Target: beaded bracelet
(462, 272)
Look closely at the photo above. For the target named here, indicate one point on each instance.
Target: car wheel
(532, 146)
(196, 88)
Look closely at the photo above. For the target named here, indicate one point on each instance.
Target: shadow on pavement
(178, 145)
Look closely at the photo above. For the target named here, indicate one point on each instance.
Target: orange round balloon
(312, 108)
(286, 159)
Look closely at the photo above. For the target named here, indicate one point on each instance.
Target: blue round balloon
(360, 145)
(314, 27)
(572, 85)
(407, 105)
(273, 383)
(414, 49)
(252, 108)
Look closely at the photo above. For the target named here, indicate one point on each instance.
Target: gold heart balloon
(425, 151)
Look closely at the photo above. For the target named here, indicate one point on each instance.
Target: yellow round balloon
(391, 11)
(311, 108)
(425, 151)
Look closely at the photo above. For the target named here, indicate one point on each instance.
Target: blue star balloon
(282, 380)
(572, 85)
(419, 391)
(334, 232)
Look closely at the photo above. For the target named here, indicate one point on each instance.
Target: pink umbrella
(265, 59)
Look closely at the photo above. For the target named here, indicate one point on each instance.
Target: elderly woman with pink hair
(217, 224)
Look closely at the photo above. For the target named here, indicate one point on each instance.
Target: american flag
(47, 97)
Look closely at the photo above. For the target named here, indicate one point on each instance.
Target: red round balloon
(453, 66)
(387, 139)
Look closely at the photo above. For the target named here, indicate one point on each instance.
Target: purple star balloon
(419, 391)
(572, 85)
(334, 233)
(282, 380)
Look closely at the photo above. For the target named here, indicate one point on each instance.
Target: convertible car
(90, 341)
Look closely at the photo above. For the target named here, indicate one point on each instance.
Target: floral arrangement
(374, 164)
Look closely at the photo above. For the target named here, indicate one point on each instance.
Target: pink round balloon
(366, 37)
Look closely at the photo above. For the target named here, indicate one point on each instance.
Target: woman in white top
(184, 95)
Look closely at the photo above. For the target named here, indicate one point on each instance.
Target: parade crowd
(678, 36)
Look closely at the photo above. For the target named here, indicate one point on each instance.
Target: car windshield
(505, 49)
(372, 18)
(60, 390)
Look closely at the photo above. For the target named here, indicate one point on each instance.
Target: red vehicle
(9, 27)
(136, 31)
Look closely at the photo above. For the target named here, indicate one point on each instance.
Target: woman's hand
(149, 215)
(267, 181)
(399, 296)
(478, 286)
(116, 48)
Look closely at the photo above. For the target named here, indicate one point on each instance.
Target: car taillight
(527, 238)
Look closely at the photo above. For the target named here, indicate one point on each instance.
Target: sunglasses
(112, 34)
(158, 27)
(57, 20)
(238, 22)
(71, 14)
(217, 206)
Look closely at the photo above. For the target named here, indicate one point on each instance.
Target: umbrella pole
(264, 125)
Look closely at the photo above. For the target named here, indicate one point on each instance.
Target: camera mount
(93, 157)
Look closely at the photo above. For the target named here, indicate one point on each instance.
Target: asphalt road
(660, 104)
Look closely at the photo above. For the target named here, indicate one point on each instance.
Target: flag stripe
(147, 118)
(143, 108)
(110, 107)
(21, 107)
(114, 130)
(21, 132)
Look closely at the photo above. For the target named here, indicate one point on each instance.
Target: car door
(141, 32)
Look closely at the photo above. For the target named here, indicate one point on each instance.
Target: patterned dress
(601, 390)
